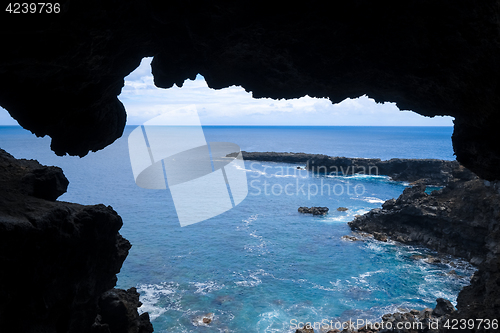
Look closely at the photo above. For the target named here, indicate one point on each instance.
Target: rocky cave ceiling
(60, 74)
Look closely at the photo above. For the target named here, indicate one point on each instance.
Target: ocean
(262, 266)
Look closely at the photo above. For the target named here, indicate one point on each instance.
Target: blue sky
(233, 106)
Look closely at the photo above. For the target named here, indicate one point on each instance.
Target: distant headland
(425, 171)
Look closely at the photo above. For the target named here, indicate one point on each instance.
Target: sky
(234, 106)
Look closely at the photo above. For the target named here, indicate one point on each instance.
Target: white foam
(247, 222)
(362, 176)
(285, 176)
(252, 280)
(274, 321)
(336, 284)
(375, 246)
(243, 169)
(206, 287)
(360, 211)
(359, 176)
(320, 287)
(151, 295)
(344, 217)
(367, 274)
(198, 320)
(373, 200)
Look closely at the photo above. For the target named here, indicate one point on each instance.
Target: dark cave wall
(56, 258)
(60, 73)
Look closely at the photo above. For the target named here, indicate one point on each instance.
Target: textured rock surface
(28, 177)
(314, 210)
(461, 219)
(432, 58)
(425, 171)
(417, 321)
(56, 258)
(414, 321)
(118, 313)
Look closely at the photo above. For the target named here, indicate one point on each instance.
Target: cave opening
(263, 261)
(263, 250)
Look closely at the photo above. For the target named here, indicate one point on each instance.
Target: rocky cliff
(461, 219)
(425, 171)
(58, 258)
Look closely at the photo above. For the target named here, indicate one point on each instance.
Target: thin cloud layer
(235, 106)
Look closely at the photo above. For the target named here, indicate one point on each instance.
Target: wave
(344, 217)
(372, 200)
(360, 177)
(158, 298)
(251, 280)
(204, 288)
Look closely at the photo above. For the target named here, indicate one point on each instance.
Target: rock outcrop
(56, 258)
(425, 171)
(117, 313)
(414, 321)
(434, 59)
(417, 321)
(314, 210)
(461, 219)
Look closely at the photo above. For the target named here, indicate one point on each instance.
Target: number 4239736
(33, 8)
(471, 324)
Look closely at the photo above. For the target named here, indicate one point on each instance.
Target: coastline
(461, 219)
(433, 172)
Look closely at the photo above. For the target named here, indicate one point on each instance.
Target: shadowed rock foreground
(59, 260)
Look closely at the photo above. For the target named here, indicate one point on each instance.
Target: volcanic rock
(56, 258)
(421, 171)
(314, 210)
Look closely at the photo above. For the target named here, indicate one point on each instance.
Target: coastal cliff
(426, 171)
(59, 260)
(461, 219)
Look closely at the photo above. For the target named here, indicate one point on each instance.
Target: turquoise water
(262, 264)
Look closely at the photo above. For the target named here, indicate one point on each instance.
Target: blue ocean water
(262, 265)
